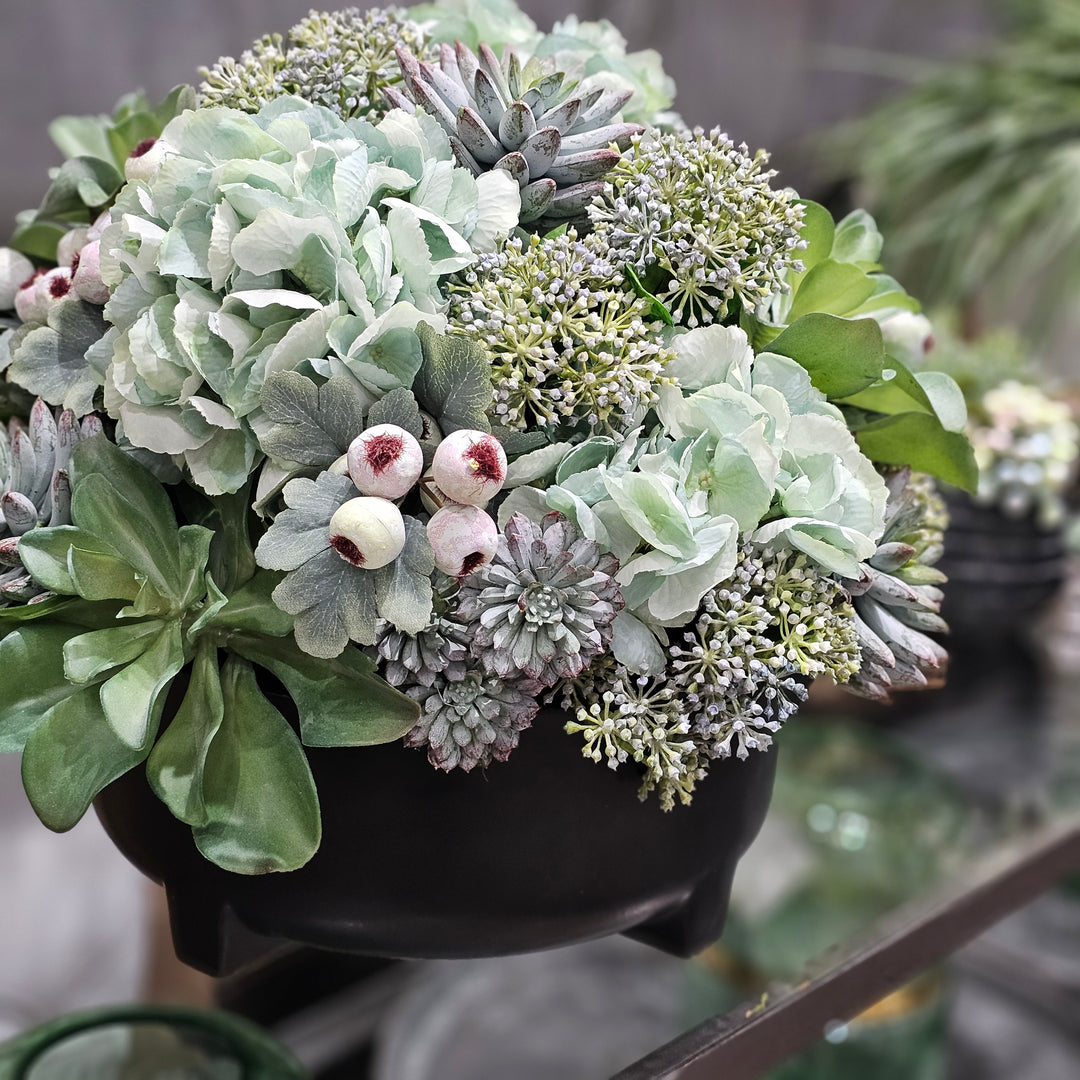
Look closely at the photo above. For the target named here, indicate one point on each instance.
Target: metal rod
(746, 1042)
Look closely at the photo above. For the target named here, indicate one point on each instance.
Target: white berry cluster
(386, 462)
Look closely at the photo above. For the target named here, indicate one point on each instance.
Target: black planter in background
(547, 849)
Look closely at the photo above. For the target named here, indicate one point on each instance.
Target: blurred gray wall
(757, 69)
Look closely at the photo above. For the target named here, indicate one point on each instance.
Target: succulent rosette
(323, 398)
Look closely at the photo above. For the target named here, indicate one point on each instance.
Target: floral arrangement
(422, 368)
(1025, 436)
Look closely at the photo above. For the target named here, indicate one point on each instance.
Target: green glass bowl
(147, 1043)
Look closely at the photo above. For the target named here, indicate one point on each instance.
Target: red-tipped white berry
(69, 245)
(340, 466)
(28, 306)
(463, 538)
(386, 461)
(368, 532)
(15, 268)
(145, 160)
(469, 466)
(86, 279)
(100, 222)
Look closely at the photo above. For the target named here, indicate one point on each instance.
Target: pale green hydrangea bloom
(266, 242)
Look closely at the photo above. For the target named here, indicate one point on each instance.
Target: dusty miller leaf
(398, 407)
(403, 589)
(312, 425)
(454, 380)
(302, 531)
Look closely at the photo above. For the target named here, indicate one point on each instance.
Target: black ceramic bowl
(545, 850)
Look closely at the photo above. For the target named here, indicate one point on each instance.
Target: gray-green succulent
(545, 603)
(34, 488)
(554, 136)
(471, 721)
(897, 598)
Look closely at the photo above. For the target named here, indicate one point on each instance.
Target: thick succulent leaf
(89, 656)
(258, 795)
(32, 679)
(341, 702)
(252, 608)
(403, 588)
(454, 380)
(176, 764)
(130, 698)
(71, 756)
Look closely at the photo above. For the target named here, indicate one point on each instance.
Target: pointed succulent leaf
(476, 137)
(619, 134)
(562, 116)
(71, 756)
(584, 166)
(259, 798)
(540, 150)
(341, 702)
(516, 165)
(536, 198)
(89, 656)
(516, 125)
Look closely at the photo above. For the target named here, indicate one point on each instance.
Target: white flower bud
(145, 160)
(908, 337)
(368, 532)
(28, 305)
(462, 538)
(100, 222)
(52, 287)
(470, 466)
(386, 461)
(86, 279)
(340, 467)
(15, 268)
(69, 244)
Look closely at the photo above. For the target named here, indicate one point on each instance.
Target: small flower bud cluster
(568, 339)
(697, 219)
(342, 60)
(740, 672)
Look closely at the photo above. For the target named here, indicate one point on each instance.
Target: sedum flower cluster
(341, 60)
(321, 389)
(568, 339)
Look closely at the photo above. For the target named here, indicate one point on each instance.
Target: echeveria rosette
(545, 603)
(271, 241)
(334, 602)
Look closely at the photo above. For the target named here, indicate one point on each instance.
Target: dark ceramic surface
(547, 849)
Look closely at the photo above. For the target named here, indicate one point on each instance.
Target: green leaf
(44, 553)
(658, 308)
(176, 764)
(857, 239)
(919, 440)
(398, 407)
(50, 361)
(843, 356)
(334, 603)
(91, 655)
(259, 797)
(71, 756)
(80, 182)
(81, 136)
(146, 503)
(130, 697)
(454, 380)
(97, 576)
(302, 531)
(32, 680)
(312, 425)
(818, 231)
(341, 702)
(832, 287)
(252, 608)
(403, 588)
(38, 239)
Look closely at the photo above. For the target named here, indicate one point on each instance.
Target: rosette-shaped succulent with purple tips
(545, 604)
(471, 721)
(552, 135)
